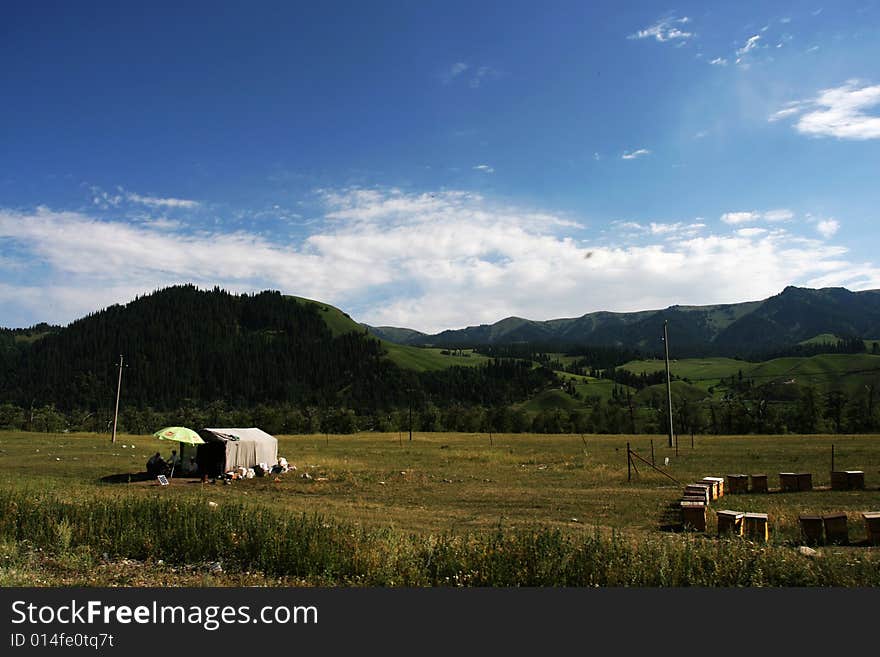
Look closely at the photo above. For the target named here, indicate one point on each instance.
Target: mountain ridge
(745, 328)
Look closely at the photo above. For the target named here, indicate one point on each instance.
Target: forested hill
(183, 343)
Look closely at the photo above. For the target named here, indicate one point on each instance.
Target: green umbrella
(180, 435)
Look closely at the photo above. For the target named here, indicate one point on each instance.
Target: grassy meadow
(456, 509)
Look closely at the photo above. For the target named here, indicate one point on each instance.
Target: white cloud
(677, 229)
(792, 109)
(666, 29)
(475, 75)
(719, 61)
(735, 218)
(426, 261)
(751, 44)
(484, 168)
(630, 225)
(632, 155)
(838, 112)
(781, 214)
(773, 216)
(106, 200)
(157, 202)
(454, 71)
(828, 227)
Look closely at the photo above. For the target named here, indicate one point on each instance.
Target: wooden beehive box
(804, 481)
(839, 480)
(756, 526)
(855, 480)
(835, 527)
(693, 516)
(713, 487)
(699, 489)
(759, 483)
(872, 525)
(737, 483)
(788, 482)
(719, 481)
(730, 522)
(811, 528)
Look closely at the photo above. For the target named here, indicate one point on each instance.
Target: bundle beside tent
(225, 449)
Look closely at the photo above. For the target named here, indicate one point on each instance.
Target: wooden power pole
(118, 388)
(668, 381)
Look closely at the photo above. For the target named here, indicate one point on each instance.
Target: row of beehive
(832, 527)
(698, 495)
(790, 482)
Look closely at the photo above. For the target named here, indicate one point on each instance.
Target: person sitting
(156, 465)
(173, 460)
(190, 467)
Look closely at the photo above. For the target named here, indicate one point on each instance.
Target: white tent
(229, 448)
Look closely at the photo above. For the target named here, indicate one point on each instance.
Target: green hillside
(680, 391)
(551, 400)
(337, 321)
(695, 369)
(425, 359)
(823, 372)
(822, 338)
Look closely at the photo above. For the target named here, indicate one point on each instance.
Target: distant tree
(835, 401)
(807, 412)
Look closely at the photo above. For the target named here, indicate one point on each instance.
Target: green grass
(549, 400)
(696, 369)
(380, 509)
(337, 321)
(680, 390)
(822, 338)
(848, 372)
(425, 359)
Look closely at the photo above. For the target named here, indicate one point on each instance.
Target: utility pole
(118, 388)
(668, 381)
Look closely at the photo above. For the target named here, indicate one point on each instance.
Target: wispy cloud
(719, 61)
(485, 168)
(735, 218)
(827, 228)
(773, 216)
(632, 155)
(105, 200)
(665, 29)
(782, 214)
(159, 202)
(457, 69)
(475, 76)
(750, 44)
(840, 112)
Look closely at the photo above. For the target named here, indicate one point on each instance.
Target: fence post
(628, 464)
(652, 452)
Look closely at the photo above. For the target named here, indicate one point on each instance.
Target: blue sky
(434, 165)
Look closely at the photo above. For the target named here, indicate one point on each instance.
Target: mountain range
(745, 329)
